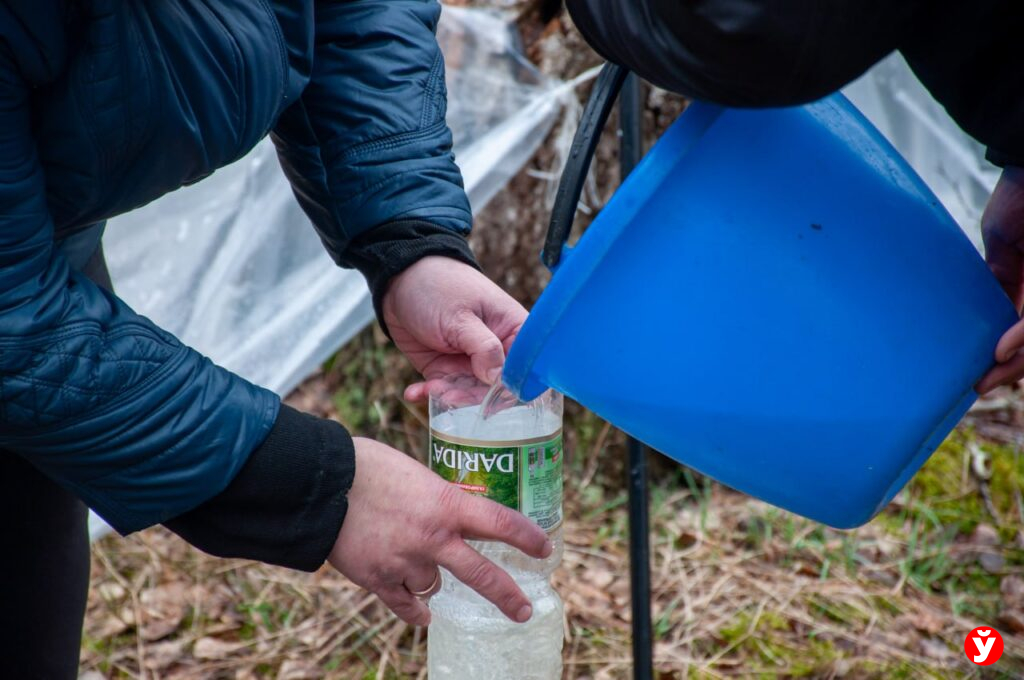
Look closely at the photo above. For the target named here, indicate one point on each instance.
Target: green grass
(769, 640)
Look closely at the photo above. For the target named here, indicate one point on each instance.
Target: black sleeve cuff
(997, 157)
(385, 252)
(287, 503)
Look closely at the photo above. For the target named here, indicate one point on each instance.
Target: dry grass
(740, 588)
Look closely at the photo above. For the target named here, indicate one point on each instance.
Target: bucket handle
(595, 115)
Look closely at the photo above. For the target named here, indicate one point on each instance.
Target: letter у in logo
(983, 646)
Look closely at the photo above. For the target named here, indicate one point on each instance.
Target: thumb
(486, 354)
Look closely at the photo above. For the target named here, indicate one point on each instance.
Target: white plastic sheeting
(950, 162)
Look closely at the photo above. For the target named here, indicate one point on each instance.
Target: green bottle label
(524, 475)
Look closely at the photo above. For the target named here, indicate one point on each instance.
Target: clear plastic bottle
(491, 444)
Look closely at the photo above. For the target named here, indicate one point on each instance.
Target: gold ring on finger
(429, 590)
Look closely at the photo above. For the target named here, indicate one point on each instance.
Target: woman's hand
(449, 318)
(404, 521)
(1002, 227)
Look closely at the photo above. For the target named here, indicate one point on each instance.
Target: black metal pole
(640, 563)
(630, 152)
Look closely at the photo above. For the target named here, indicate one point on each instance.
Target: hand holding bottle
(404, 521)
(449, 319)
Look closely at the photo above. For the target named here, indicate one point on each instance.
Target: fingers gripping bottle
(489, 443)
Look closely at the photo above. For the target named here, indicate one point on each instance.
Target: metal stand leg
(630, 152)
(640, 562)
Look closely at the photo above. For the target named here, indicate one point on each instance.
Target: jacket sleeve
(366, 147)
(287, 503)
(98, 398)
(968, 56)
(751, 53)
(785, 52)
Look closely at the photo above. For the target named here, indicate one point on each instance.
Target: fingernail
(524, 614)
(494, 375)
(548, 548)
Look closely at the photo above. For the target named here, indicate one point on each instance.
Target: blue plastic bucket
(774, 298)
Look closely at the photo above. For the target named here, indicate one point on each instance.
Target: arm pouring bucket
(772, 297)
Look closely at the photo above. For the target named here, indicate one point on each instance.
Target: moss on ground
(945, 487)
(772, 649)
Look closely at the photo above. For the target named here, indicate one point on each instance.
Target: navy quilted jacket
(106, 105)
